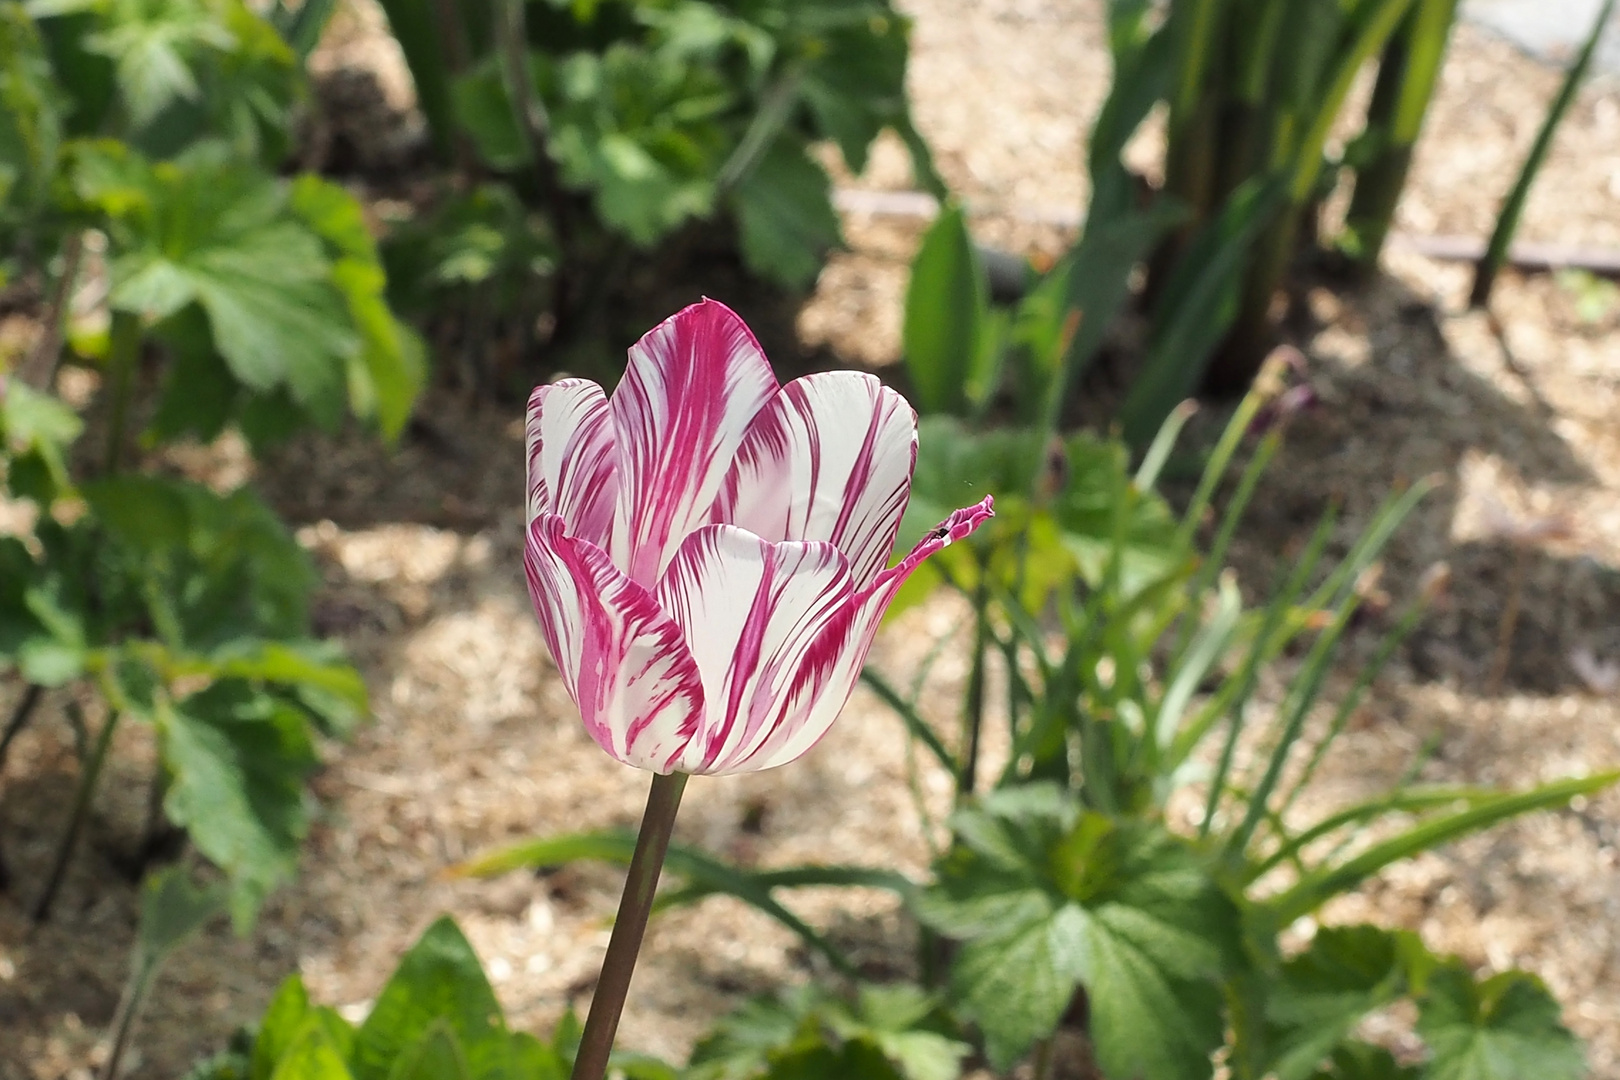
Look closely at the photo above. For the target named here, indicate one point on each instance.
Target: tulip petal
(624, 662)
(572, 467)
(822, 685)
(750, 611)
(692, 387)
(829, 458)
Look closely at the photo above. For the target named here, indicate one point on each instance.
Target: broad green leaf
(281, 1026)
(36, 431)
(391, 366)
(435, 1056)
(798, 1032)
(238, 760)
(534, 1060)
(1355, 1060)
(1049, 902)
(220, 234)
(312, 1057)
(855, 87)
(155, 46)
(784, 209)
(1505, 1028)
(438, 983)
(947, 310)
(172, 909)
(1324, 992)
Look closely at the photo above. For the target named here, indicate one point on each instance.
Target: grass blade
(1327, 882)
(704, 876)
(1507, 222)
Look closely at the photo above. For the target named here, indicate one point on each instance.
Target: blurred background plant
(619, 126)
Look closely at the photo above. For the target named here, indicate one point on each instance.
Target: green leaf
(1049, 900)
(280, 1027)
(1198, 306)
(1505, 1028)
(390, 368)
(1325, 882)
(855, 87)
(784, 209)
(947, 310)
(312, 1057)
(172, 909)
(287, 1023)
(435, 1056)
(221, 235)
(439, 984)
(704, 874)
(889, 1033)
(155, 46)
(238, 759)
(1325, 991)
(1355, 1060)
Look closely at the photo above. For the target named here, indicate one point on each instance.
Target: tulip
(707, 552)
(706, 549)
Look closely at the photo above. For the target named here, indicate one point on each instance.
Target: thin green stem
(20, 717)
(81, 810)
(123, 356)
(140, 981)
(973, 702)
(607, 1004)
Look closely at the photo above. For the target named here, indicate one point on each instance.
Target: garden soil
(474, 743)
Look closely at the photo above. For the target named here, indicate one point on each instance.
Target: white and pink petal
(751, 612)
(830, 457)
(623, 661)
(833, 662)
(693, 385)
(572, 469)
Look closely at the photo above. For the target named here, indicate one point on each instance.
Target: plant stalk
(20, 717)
(630, 926)
(39, 369)
(81, 810)
(122, 359)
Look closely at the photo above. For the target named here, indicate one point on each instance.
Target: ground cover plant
(148, 135)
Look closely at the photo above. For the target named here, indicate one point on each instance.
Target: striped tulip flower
(707, 550)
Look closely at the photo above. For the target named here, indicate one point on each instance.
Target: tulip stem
(629, 927)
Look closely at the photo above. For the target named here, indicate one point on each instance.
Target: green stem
(123, 355)
(20, 717)
(81, 810)
(973, 703)
(1507, 223)
(140, 981)
(629, 927)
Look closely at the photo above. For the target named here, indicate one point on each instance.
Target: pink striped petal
(572, 468)
(829, 458)
(624, 662)
(750, 611)
(693, 386)
(822, 685)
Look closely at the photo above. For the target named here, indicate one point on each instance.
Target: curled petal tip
(961, 523)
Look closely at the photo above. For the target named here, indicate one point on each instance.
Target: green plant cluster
(610, 125)
(1072, 894)
(141, 196)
